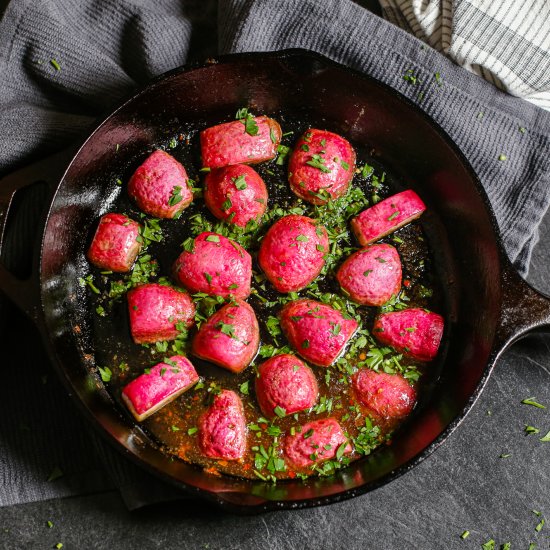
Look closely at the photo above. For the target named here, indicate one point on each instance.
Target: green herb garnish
(88, 281)
(176, 197)
(531, 401)
(56, 473)
(410, 77)
(105, 373)
(250, 125)
(283, 152)
(317, 161)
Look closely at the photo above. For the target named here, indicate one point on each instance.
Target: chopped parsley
(268, 459)
(283, 152)
(150, 232)
(56, 473)
(227, 329)
(393, 215)
(368, 438)
(367, 171)
(240, 182)
(317, 161)
(531, 401)
(541, 522)
(250, 125)
(410, 77)
(176, 197)
(105, 373)
(89, 281)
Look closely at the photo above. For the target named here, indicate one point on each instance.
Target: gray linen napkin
(62, 63)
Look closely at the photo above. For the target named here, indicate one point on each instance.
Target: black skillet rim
(269, 505)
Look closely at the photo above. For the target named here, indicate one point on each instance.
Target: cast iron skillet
(488, 306)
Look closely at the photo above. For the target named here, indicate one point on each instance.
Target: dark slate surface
(463, 485)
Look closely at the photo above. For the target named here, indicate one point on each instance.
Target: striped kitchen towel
(507, 42)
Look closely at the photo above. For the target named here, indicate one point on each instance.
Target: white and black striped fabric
(507, 42)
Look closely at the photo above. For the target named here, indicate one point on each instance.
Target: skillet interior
(299, 85)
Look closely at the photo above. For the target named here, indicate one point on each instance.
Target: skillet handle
(25, 292)
(524, 309)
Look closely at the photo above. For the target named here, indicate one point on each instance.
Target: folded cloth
(62, 63)
(489, 126)
(505, 42)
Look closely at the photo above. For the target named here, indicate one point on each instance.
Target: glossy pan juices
(279, 321)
